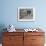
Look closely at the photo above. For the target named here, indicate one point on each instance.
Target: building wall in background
(9, 13)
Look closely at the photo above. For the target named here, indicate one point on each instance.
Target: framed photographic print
(26, 14)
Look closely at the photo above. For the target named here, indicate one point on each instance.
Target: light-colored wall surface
(9, 13)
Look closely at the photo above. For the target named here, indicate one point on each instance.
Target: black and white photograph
(26, 14)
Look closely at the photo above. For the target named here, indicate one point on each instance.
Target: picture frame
(26, 14)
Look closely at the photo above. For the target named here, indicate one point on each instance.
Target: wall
(9, 13)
